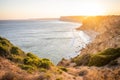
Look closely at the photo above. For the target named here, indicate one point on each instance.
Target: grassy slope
(15, 64)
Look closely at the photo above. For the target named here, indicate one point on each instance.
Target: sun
(92, 9)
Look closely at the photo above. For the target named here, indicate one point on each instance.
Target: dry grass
(96, 73)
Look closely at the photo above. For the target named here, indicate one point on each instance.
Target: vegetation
(103, 58)
(63, 69)
(29, 61)
(98, 59)
(82, 60)
(14, 50)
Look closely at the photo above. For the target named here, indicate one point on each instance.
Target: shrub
(3, 52)
(109, 51)
(35, 61)
(4, 43)
(14, 50)
(113, 63)
(4, 49)
(103, 58)
(99, 60)
(59, 71)
(42, 70)
(27, 67)
(45, 63)
(31, 55)
(63, 69)
(28, 61)
(16, 58)
(82, 60)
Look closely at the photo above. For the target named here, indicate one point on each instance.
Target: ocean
(52, 39)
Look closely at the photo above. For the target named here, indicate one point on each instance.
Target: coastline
(101, 56)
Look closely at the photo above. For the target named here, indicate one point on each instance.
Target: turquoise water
(52, 39)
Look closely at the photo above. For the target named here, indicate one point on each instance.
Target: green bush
(103, 58)
(110, 51)
(99, 60)
(31, 55)
(35, 61)
(31, 61)
(3, 52)
(14, 50)
(16, 58)
(82, 60)
(28, 61)
(42, 70)
(5, 46)
(45, 63)
(63, 69)
(113, 63)
(27, 67)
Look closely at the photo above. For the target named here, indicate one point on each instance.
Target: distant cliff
(99, 23)
(77, 19)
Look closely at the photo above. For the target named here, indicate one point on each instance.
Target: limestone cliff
(108, 28)
(77, 19)
(109, 33)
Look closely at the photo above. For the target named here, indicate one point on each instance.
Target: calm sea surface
(52, 39)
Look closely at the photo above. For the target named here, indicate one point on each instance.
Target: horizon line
(48, 18)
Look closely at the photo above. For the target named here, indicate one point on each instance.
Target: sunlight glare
(92, 9)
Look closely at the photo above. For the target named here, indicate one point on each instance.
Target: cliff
(99, 23)
(103, 51)
(77, 19)
(108, 28)
(99, 60)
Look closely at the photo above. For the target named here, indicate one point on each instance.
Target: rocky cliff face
(103, 52)
(109, 33)
(77, 19)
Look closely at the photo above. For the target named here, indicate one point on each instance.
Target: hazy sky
(18, 9)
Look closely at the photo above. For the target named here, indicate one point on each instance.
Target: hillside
(108, 28)
(103, 51)
(99, 60)
(15, 64)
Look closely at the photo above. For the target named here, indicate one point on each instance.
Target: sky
(25, 9)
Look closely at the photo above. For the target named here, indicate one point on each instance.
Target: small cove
(52, 39)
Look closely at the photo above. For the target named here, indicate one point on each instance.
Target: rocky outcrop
(109, 37)
(99, 23)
